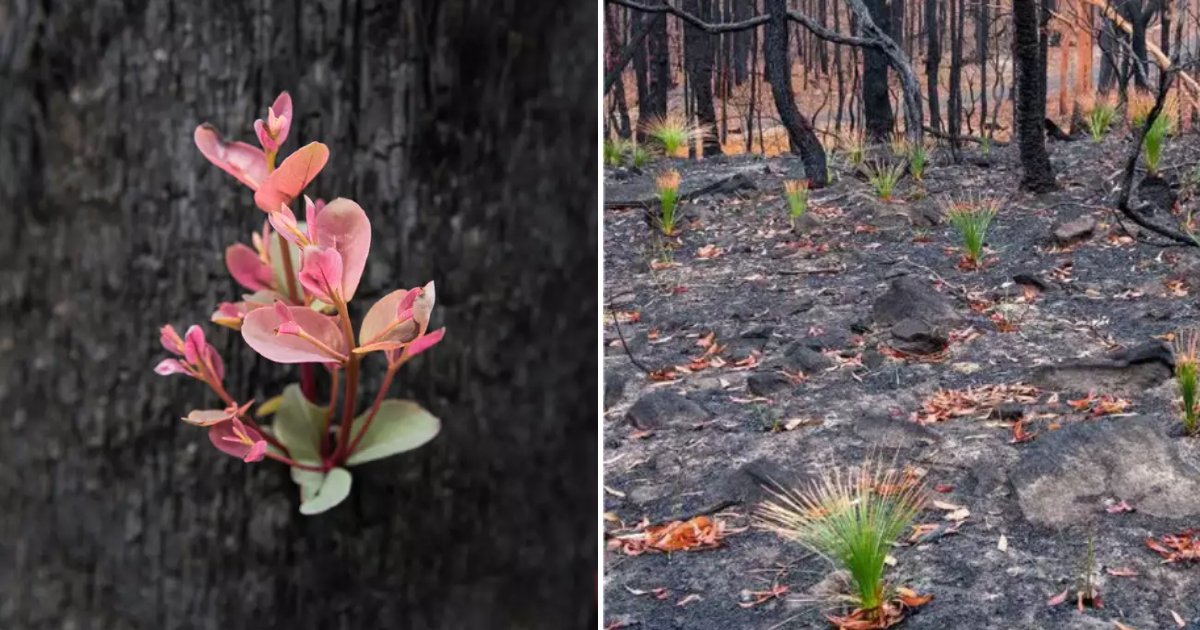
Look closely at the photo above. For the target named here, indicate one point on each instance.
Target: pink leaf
(245, 162)
(207, 417)
(285, 183)
(171, 340)
(274, 130)
(236, 439)
(194, 345)
(423, 307)
(425, 342)
(321, 274)
(382, 315)
(167, 367)
(311, 211)
(247, 268)
(259, 331)
(343, 225)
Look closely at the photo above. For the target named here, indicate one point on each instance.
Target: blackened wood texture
(466, 129)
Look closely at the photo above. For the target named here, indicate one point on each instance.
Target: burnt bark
(698, 57)
(461, 127)
(801, 136)
(933, 61)
(658, 55)
(878, 119)
(1030, 97)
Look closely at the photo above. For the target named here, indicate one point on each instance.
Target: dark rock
(918, 337)
(1008, 411)
(883, 430)
(664, 409)
(798, 357)
(1031, 279)
(758, 332)
(833, 339)
(614, 387)
(768, 383)
(746, 484)
(911, 298)
(872, 359)
(1157, 194)
(1074, 230)
(1126, 372)
(1063, 477)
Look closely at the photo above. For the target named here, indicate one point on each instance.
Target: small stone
(798, 357)
(767, 383)
(910, 298)
(918, 337)
(664, 409)
(614, 388)
(1077, 229)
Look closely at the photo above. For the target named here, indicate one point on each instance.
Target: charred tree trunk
(742, 41)
(878, 119)
(698, 59)
(982, 30)
(624, 127)
(954, 102)
(1031, 97)
(1109, 48)
(457, 125)
(801, 136)
(658, 55)
(933, 61)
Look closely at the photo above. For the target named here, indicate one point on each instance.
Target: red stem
(339, 453)
(333, 396)
(387, 383)
(290, 462)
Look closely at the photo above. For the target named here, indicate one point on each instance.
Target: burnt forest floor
(769, 353)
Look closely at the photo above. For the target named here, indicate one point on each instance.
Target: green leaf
(298, 424)
(309, 481)
(269, 407)
(334, 488)
(399, 426)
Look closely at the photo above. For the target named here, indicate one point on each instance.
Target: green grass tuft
(795, 191)
(1100, 120)
(1156, 140)
(674, 134)
(971, 218)
(668, 197)
(1187, 344)
(883, 177)
(852, 518)
(917, 160)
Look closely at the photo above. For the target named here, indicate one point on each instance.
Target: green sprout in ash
(668, 197)
(1099, 120)
(1187, 360)
(1156, 140)
(971, 218)
(883, 177)
(852, 518)
(673, 134)
(795, 191)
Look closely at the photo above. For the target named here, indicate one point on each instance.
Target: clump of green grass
(1156, 140)
(917, 161)
(639, 156)
(673, 134)
(1187, 358)
(985, 145)
(615, 150)
(795, 191)
(668, 197)
(1099, 120)
(883, 177)
(851, 518)
(855, 150)
(971, 218)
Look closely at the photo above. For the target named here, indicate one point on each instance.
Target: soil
(806, 377)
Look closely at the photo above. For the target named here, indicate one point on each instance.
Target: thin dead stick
(617, 324)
